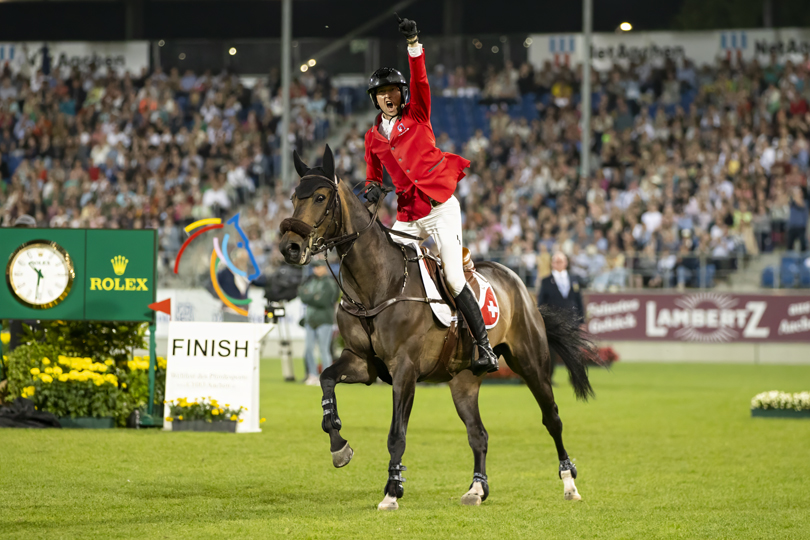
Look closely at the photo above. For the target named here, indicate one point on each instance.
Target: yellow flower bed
(207, 409)
(78, 369)
(142, 363)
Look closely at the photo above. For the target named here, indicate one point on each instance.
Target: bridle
(316, 244)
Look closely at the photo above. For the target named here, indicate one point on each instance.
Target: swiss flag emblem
(489, 309)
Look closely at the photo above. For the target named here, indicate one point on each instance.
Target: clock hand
(37, 270)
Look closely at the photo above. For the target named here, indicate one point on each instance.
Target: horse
(390, 332)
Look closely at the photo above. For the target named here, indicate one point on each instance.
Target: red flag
(164, 306)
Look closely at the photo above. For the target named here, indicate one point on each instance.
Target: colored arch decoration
(220, 253)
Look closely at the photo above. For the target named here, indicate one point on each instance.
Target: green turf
(665, 451)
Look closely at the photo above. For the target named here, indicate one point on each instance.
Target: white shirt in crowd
(216, 196)
(563, 282)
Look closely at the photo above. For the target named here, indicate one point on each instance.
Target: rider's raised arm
(374, 169)
(419, 87)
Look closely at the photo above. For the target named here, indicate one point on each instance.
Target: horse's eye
(320, 198)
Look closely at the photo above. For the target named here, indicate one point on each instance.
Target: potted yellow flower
(203, 414)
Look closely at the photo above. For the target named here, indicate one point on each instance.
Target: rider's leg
(407, 227)
(444, 225)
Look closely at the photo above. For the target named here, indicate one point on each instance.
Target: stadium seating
(769, 278)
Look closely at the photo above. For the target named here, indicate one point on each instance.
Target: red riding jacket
(420, 171)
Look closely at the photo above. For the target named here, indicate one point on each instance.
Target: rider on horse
(402, 141)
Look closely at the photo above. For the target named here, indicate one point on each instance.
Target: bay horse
(390, 332)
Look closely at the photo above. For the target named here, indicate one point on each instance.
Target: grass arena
(663, 451)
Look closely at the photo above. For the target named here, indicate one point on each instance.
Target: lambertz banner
(701, 317)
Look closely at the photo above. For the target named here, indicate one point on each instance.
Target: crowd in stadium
(694, 168)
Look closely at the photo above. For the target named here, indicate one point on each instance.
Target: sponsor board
(121, 56)
(114, 274)
(706, 317)
(706, 47)
(220, 360)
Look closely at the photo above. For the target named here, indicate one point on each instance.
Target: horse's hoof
(475, 496)
(342, 457)
(471, 499)
(388, 503)
(572, 495)
(569, 488)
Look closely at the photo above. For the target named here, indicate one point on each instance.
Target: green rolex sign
(120, 280)
(78, 274)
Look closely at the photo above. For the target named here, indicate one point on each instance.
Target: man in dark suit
(561, 289)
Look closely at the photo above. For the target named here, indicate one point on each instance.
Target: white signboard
(122, 56)
(706, 47)
(216, 359)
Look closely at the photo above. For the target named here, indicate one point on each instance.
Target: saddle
(434, 266)
(452, 340)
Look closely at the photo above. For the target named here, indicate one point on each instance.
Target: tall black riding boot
(486, 362)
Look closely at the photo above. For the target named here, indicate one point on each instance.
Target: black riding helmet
(383, 77)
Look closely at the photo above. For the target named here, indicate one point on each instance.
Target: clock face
(40, 274)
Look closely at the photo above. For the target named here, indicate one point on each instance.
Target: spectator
(560, 289)
(320, 294)
(797, 222)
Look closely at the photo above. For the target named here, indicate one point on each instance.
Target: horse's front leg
(404, 383)
(350, 368)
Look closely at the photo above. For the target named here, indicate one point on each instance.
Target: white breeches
(444, 225)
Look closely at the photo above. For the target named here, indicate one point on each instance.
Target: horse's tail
(571, 343)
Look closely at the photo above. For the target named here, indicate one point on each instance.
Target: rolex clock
(40, 274)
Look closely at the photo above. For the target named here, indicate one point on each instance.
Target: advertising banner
(78, 274)
(120, 275)
(702, 317)
(706, 47)
(216, 359)
(121, 56)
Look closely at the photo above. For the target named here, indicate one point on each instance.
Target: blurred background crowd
(697, 168)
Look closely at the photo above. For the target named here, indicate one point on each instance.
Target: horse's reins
(322, 244)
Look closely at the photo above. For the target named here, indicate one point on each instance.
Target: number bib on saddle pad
(487, 300)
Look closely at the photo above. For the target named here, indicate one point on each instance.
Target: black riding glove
(374, 193)
(407, 28)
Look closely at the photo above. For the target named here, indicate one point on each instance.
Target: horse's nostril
(293, 250)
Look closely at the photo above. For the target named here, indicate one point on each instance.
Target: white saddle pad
(487, 300)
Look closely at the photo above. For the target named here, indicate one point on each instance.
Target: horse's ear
(300, 166)
(329, 164)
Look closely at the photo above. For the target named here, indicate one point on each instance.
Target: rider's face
(389, 99)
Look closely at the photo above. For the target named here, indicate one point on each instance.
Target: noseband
(316, 244)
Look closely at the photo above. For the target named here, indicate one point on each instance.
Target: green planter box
(779, 413)
(87, 422)
(221, 426)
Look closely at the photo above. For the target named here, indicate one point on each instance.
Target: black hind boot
(486, 362)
